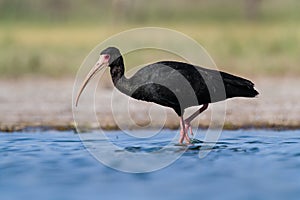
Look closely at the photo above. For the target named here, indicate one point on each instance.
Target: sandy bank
(45, 102)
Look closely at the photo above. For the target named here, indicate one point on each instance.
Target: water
(255, 164)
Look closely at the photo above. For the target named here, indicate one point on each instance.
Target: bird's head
(112, 53)
(108, 57)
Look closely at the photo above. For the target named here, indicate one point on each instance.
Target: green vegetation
(53, 37)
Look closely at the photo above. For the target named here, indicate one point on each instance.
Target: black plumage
(173, 84)
(177, 85)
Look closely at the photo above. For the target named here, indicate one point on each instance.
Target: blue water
(255, 164)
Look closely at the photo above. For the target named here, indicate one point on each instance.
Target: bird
(172, 84)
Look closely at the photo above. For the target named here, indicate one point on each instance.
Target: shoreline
(43, 103)
(9, 128)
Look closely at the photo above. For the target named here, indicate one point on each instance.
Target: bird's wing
(234, 86)
(155, 93)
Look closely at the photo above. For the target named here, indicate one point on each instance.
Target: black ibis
(173, 84)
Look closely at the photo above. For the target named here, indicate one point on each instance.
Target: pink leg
(182, 130)
(195, 114)
(185, 125)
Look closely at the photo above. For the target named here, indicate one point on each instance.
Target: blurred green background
(52, 37)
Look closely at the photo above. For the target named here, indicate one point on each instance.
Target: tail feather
(238, 87)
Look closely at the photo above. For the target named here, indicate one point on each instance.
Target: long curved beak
(98, 66)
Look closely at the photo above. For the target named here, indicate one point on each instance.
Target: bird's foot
(184, 137)
(184, 134)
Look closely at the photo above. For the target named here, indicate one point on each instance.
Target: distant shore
(44, 103)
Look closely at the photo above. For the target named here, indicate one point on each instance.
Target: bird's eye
(106, 57)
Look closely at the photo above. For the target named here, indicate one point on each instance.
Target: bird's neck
(117, 72)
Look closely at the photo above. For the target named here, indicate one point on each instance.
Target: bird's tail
(238, 87)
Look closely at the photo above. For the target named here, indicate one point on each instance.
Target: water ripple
(255, 164)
